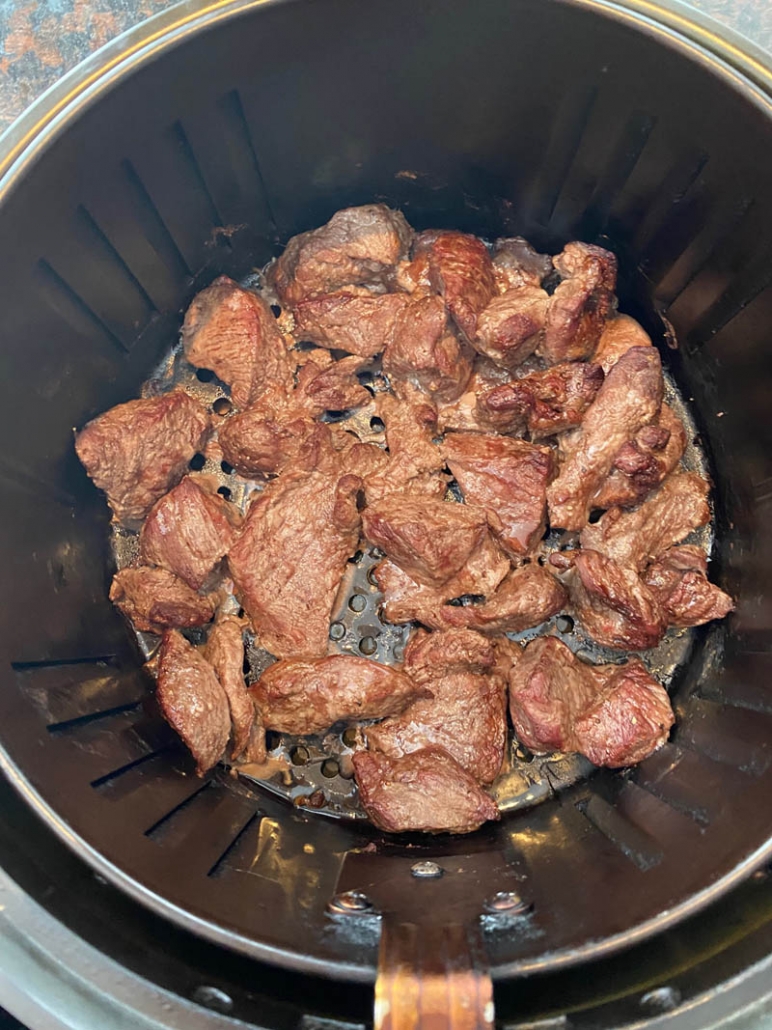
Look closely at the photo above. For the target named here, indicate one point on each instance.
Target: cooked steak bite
(425, 351)
(582, 303)
(509, 328)
(301, 695)
(629, 399)
(615, 715)
(467, 712)
(256, 444)
(545, 402)
(430, 540)
(635, 538)
(527, 597)
(232, 332)
(678, 579)
(225, 653)
(460, 269)
(358, 245)
(334, 388)
(466, 413)
(612, 603)
(508, 479)
(619, 335)
(627, 721)
(155, 600)
(644, 462)
(405, 600)
(548, 688)
(425, 791)
(516, 263)
(193, 701)
(354, 319)
(137, 451)
(188, 531)
(289, 560)
(415, 463)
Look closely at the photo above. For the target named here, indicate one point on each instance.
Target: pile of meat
(513, 385)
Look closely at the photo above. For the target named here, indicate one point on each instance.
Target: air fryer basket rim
(741, 65)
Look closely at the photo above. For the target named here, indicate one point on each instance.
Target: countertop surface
(40, 40)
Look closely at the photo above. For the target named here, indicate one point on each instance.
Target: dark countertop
(40, 40)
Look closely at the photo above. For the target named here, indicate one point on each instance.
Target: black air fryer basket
(553, 119)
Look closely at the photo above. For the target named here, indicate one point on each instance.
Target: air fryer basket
(556, 120)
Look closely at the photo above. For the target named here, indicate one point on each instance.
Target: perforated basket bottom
(316, 771)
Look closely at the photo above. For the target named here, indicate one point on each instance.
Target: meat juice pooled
(395, 494)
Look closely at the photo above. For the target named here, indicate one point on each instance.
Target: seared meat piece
(628, 720)
(232, 332)
(545, 402)
(192, 700)
(527, 597)
(302, 695)
(289, 560)
(155, 599)
(188, 531)
(581, 304)
(616, 715)
(358, 245)
(509, 329)
(644, 462)
(225, 653)
(408, 601)
(415, 462)
(619, 335)
(354, 320)
(334, 388)
(425, 791)
(679, 581)
(466, 414)
(467, 714)
(137, 451)
(424, 350)
(430, 540)
(516, 263)
(460, 269)
(612, 603)
(508, 478)
(635, 538)
(548, 689)
(629, 399)
(254, 444)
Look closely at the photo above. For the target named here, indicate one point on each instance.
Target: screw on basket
(507, 902)
(349, 903)
(426, 871)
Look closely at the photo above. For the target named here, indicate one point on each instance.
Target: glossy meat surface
(289, 560)
(629, 399)
(430, 540)
(516, 263)
(544, 402)
(425, 351)
(225, 653)
(581, 304)
(634, 538)
(357, 321)
(137, 451)
(188, 531)
(193, 701)
(155, 600)
(232, 332)
(302, 695)
(508, 479)
(426, 791)
(509, 328)
(358, 245)
(460, 269)
(528, 596)
(619, 335)
(466, 714)
(678, 579)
